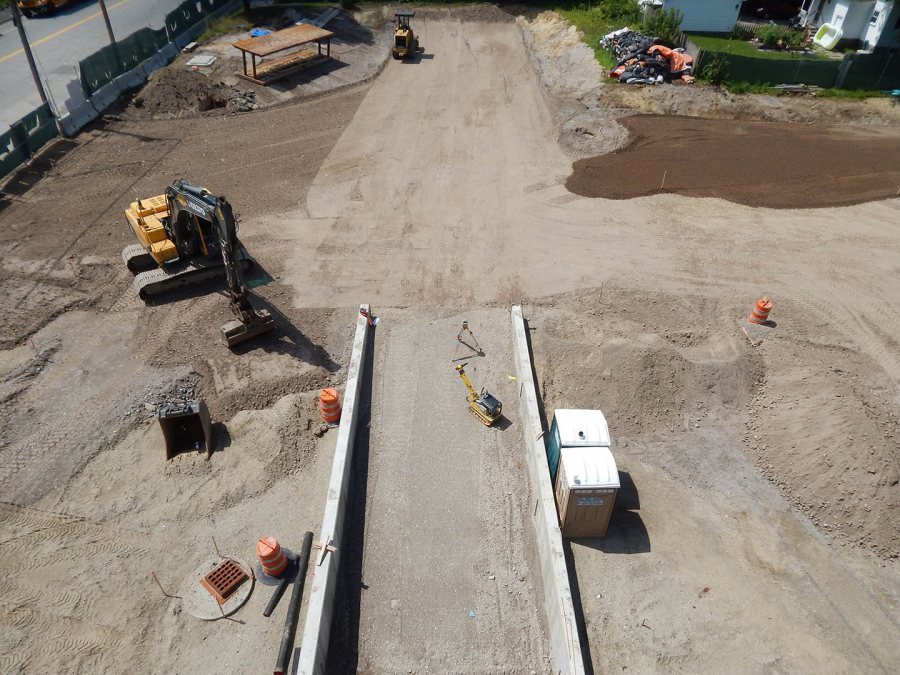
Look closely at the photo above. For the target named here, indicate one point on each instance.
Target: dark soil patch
(768, 164)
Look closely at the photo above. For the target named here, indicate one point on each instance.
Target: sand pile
(817, 418)
(173, 93)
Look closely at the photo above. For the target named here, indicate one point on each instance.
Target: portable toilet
(587, 483)
(575, 429)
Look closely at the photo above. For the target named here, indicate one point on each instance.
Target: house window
(874, 18)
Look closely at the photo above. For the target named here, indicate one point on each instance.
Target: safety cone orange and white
(760, 312)
(271, 556)
(330, 405)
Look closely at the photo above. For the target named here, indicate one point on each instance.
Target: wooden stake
(661, 185)
(216, 546)
(156, 579)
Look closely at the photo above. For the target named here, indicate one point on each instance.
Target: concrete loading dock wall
(565, 645)
(317, 629)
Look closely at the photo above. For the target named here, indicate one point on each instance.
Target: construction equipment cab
(406, 44)
(31, 7)
(185, 237)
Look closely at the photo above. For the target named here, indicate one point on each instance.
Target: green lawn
(744, 48)
(594, 28)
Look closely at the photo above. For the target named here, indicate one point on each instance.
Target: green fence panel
(184, 16)
(25, 137)
(820, 72)
(11, 155)
(99, 69)
(782, 71)
(39, 126)
(128, 52)
(872, 71)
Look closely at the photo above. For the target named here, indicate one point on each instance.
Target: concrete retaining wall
(319, 609)
(565, 645)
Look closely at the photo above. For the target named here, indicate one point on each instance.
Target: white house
(867, 24)
(702, 16)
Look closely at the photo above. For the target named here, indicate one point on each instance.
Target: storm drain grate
(224, 580)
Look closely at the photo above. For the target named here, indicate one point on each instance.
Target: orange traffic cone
(330, 405)
(271, 556)
(760, 312)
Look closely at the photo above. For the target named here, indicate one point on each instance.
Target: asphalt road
(59, 42)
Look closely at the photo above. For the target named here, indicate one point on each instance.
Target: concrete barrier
(565, 645)
(105, 96)
(320, 607)
(133, 79)
(76, 118)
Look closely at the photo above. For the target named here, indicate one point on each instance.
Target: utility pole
(17, 19)
(112, 38)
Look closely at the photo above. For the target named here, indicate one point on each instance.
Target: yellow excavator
(187, 236)
(406, 44)
(485, 407)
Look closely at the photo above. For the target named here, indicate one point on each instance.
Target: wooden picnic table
(279, 41)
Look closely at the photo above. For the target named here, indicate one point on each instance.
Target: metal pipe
(276, 596)
(17, 19)
(290, 622)
(112, 38)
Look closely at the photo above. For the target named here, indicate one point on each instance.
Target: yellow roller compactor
(185, 237)
(406, 44)
(486, 408)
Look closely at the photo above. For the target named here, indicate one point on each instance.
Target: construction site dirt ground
(766, 536)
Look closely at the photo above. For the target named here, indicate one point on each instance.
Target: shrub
(666, 25)
(715, 69)
(622, 12)
(779, 36)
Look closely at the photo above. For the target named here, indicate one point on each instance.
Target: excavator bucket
(236, 332)
(185, 427)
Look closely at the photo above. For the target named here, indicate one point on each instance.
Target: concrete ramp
(448, 573)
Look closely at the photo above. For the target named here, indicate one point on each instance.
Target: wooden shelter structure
(272, 69)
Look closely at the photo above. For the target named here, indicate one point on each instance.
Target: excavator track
(178, 274)
(137, 259)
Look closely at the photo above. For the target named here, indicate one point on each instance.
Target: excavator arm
(184, 196)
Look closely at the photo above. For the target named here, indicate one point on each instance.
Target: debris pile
(641, 60)
(171, 93)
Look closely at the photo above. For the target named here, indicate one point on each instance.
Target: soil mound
(171, 93)
(766, 164)
(817, 418)
(647, 368)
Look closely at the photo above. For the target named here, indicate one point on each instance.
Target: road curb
(320, 606)
(565, 644)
